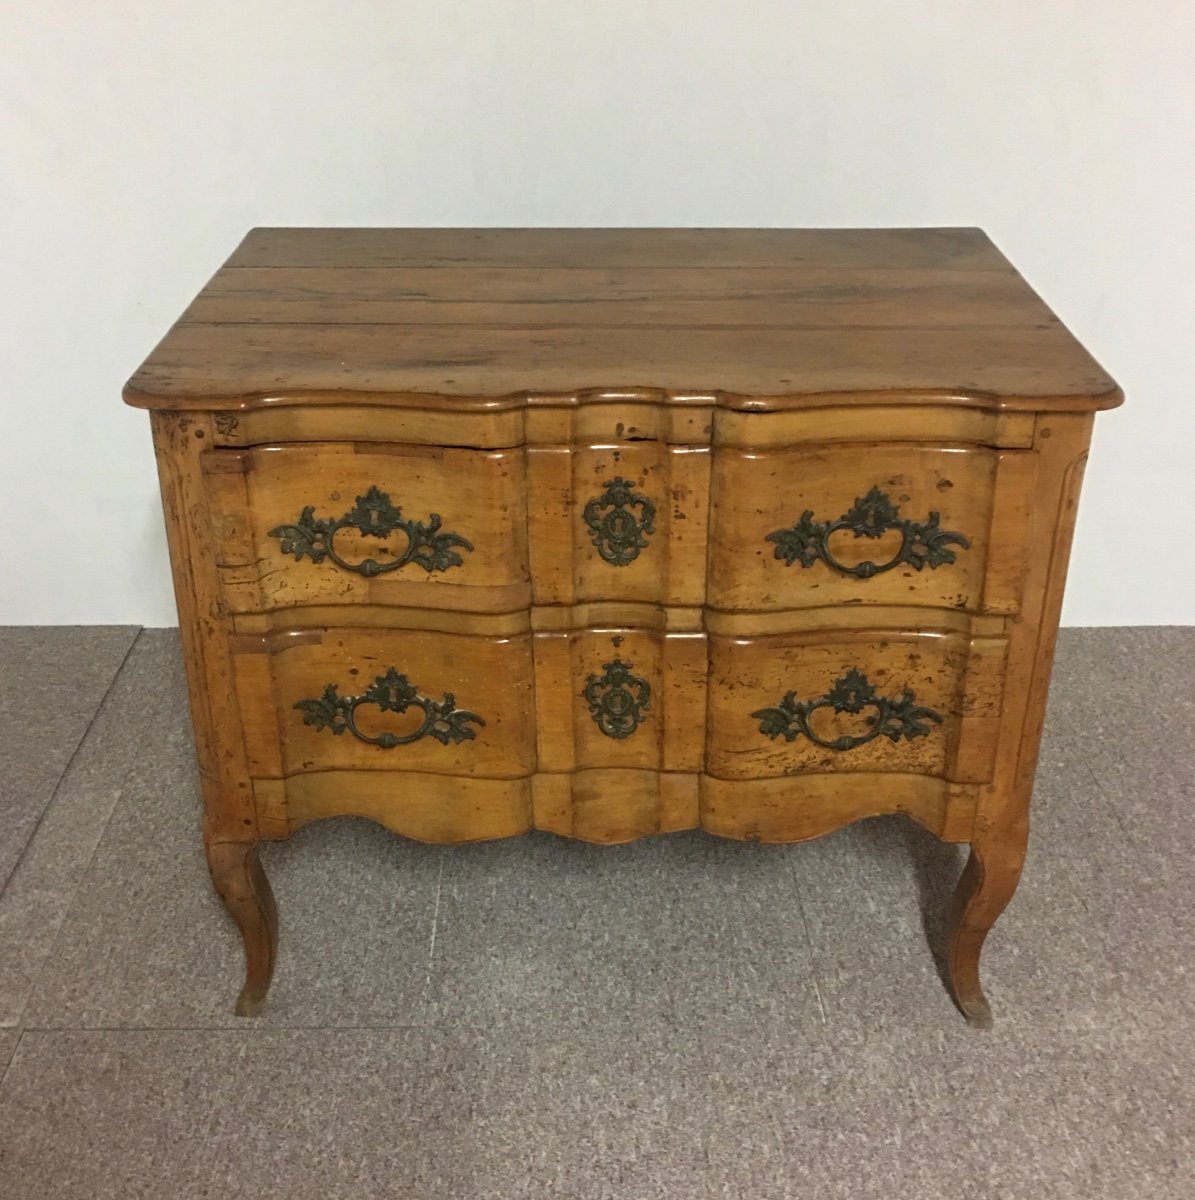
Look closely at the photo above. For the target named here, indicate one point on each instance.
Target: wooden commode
(618, 532)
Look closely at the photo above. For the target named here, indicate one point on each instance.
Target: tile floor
(679, 1018)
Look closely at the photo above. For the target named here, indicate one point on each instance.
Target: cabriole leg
(242, 885)
(984, 890)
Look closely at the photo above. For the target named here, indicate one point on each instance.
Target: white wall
(141, 138)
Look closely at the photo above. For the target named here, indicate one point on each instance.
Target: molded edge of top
(136, 397)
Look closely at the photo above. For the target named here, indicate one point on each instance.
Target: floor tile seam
(70, 763)
(68, 911)
(123, 771)
(12, 1058)
(1113, 811)
(431, 947)
(817, 987)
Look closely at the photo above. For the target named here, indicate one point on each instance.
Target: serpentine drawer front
(380, 699)
(618, 532)
(358, 523)
(911, 523)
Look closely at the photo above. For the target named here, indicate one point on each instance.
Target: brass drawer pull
(374, 516)
(617, 699)
(923, 544)
(619, 521)
(391, 692)
(893, 719)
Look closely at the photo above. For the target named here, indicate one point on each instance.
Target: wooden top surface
(754, 318)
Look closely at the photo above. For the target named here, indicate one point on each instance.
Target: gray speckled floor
(681, 1017)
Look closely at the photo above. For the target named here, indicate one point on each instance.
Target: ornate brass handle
(374, 516)
(391, 692)
(617, 699)
(893, 718)
(619, 521)
(923, 544)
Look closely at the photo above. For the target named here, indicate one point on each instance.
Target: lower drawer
(921, 701)
(387, 700)
(855, 700)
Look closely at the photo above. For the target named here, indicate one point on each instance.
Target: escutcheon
(891, 718)
(619, 521)
(922, 544)
(617, 699)
(391, 692)
(428, 546)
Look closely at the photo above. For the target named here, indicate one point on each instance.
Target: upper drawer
(892, 523)
(358, 523)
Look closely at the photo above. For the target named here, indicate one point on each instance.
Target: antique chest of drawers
(617, 532)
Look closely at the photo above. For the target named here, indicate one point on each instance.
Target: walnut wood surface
(302, 313)
(835, 249)
(764, 296)
(723, 384)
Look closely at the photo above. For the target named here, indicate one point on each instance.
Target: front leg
(984, 890)
(242, 884)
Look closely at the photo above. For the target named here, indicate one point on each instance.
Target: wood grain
(299, 315)
(959, 679)
(427, 808)
(1030, 367)
(781, 810)
(841, 249)
(757, 493)
(612, 805)
(487, 676)
(824, 298)
(480, 496)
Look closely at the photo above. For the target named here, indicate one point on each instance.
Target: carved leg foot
(242, 885)
(987, 884)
